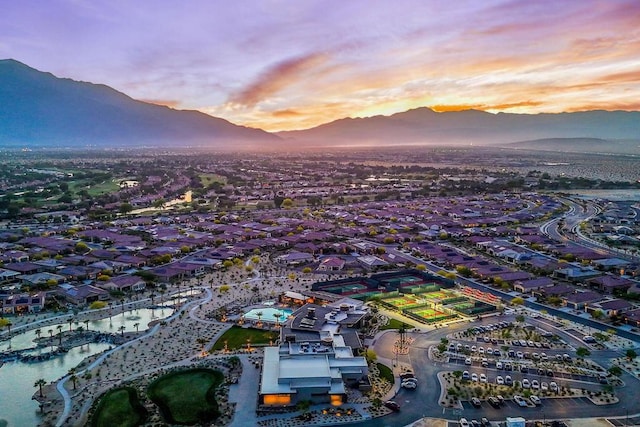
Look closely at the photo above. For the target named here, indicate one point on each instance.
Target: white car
(535, 384)
(498, 365)
(553, 386)
(520, 355)
(489, 351)
(499, 380)
(520, 401)
(544, 386)
(480, 350)
(467, 361)
(474, 377)
(409, 384)
(535, 400)
(483, 378)
(526, 383)
(463, 422)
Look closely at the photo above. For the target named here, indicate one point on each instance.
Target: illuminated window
(277, 399)
(336, 399)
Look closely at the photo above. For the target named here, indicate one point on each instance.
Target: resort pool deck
(268, 314)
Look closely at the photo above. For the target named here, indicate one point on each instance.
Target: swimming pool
(268, 314)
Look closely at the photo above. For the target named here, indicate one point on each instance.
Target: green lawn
(237, 336)
(209, 178)
(386, 372)
(104, 187)
(393, 324)
(119, 407)
(187, 397)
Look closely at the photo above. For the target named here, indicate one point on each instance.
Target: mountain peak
(38, 108)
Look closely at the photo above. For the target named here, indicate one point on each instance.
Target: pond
(17, 378)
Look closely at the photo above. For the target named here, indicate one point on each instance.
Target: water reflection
(17, 378)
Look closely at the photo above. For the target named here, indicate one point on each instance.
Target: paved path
(244, 394)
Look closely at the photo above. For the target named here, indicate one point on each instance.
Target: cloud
(485, 107)
(285, 113)
(278, 77)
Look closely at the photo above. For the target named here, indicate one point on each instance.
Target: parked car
(476, 402)
(499, 380)
(392, 405)
(535, 384)
(466, 375)
(463, 422)
(535, 400)
(467, 361)
(498, 365)
(474, 377)
(544, 386)
(483, 378)
(553, 386)
(526, 383)
(520, 401)
(508, 380)
(493, 401)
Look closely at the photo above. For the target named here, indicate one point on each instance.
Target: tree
(615, 370)
(582, 352)
(631, 354)
(287, 203)
(136, 325)
(96, 305)
(370, 355)
(520, 318)
(73, 377)
(81, 248)
(40, 383)
(597, 314)
(125, 208)
(517, 301)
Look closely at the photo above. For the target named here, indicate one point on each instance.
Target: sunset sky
(294, 64)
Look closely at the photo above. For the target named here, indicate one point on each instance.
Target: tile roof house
(610, 307)
(609, 283)
(125, 283)
(579, 300)
(528, 286)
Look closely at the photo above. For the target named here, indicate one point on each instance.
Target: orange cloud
(285, 113)
(277, 78)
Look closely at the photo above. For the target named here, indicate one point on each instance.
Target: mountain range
(40, 109)
(597, 131)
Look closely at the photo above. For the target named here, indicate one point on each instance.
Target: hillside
(39, 109)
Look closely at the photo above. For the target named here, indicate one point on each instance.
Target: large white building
(315, 364)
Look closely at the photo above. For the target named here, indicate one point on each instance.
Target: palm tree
(259, 314)
(277, 317)
(40, 383)
(135, 325)
(73, 377)
(59, 328)
(152, 296)
(38, 332)
(70, 323)
(122, 328)
(86, 322)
